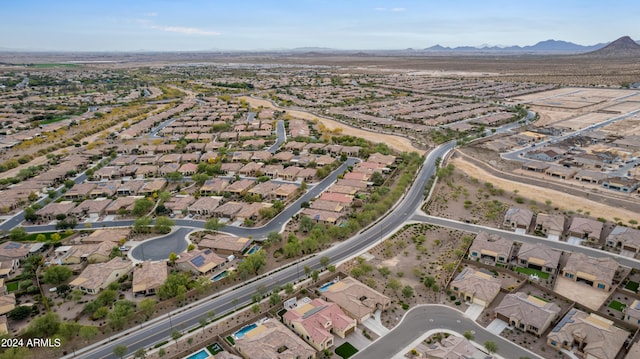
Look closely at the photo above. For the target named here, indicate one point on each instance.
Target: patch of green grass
(12, 286)
(542, 299)
(282, 312)
(230, 340)
(617, 305)
(346, 350)
(632, 286)
(53, 120)
(46, 66)
(529, 271)
(215, 348)
(33, 236)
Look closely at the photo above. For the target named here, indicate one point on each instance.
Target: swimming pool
(219, 276)
(253, 249)
(202, 354)
(326, 286)
(240, 333)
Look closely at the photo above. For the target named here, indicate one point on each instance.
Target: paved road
(282, 137)
(160, 248)
(524, 238)
(422, 318)
(160, 329)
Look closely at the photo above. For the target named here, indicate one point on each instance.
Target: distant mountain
(555, 46)
(623, 47)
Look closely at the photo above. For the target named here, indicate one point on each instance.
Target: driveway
(474, 311)
(497, 326)
(375, 325)
(357, 339)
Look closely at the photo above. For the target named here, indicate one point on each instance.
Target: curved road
(155, 331)
(434, 316)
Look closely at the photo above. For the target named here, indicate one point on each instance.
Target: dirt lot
(590, 297)
(559, 199)
(409, 257)
(398, 143)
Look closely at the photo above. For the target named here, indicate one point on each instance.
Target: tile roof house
(539, 257)
(317, 321)
(321, 216)
(240, 187)
(285, 191)
(518, 218)
(204, 206)
(214, 186)
(121, 205)
(358, 300)
(527, 313)
(7, 303)
(92, 208)
(225, 245)
(96, 277)
(148, 277)
(632, 313)
(586, 228)
(200, 261)
(10, 250)
(272, 340)
(625, 238)
(90, 252)
(337, 197)
(491, 248)
(476, 286)
(551, 225)
(111, 235)
(587, 335)
(79, 191)
(596, 272)
(179, 203)
(452, 347)
(50, 211)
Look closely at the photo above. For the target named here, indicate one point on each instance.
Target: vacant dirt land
(559, 199)
(396, 142)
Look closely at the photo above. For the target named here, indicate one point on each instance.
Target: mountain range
(547, 46)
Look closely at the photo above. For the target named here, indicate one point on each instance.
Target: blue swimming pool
(326, 286)
(203, 354)
(253, 249)
(219, 276)
(240, 333)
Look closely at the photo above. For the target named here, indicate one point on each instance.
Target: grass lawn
(542, 299)
(215, 348)
(12, 286)
(47, 236)
(346, 350)
(230, 340)
(632, 286)
(529, 271)
(617, 305)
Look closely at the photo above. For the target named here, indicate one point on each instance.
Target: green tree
(213, 225)
(174, 176)
(200, 178)
(163, 224)
(289, 288)
(162, 352)
(274, 237)
(255, 308)
(18, 234)
(88, 332)
(19, 313)
(394, 284)
(305, 224)
(174, 285)
(491, 347)
(30, 214)
(173, 257)
(55, 237)
(175, 335)
(56, 275)
(315, 275)
(148, 307)
(252, 263)
(45, 326)
(41, 237)
(324, 261)
(121, 314)
(407, 291)
(468, 335)
(274, 298)
(120, 351)
(140, 353)
(142, 207)
(141, 225)
(429, 281)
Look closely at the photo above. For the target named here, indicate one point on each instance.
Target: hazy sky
(189, 25)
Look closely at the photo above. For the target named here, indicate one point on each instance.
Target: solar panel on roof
(198, 261)
(316, 217)
(207, 251)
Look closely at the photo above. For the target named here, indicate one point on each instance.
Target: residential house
(225, 245)
(328, 206)
(358, 300)
(153, 186)
(96, 277)
(306, 175)
(240, 187)
(204, 206)
(107, 173)
(10, 250)
(491, 248)
(7, 303)
(587, 335)
(273, 171)
(535, 166)
(121, 206)
(79, 191)
(148, 277)
(179, 203)
(321, 216)
(53, 209)
(451, 347)
(387, 160)
(285, 191)
(144, 171)
(518, 219)
(92, 208)
(90, 253)
(168, 168)
(586, 228)
(105, 189)
(8, 267)
(595, 272)
(228, 210)
(477, 287)
(251, 211)
(539, 257)
(199, 262)
(188, 169)
(625, 238)
(337, 197)
(560, 172)
(587, 176)
(272, 340)
(130, 188)
(214, 186)
(265, 190)
(621, 184)
(112, 235)
(284, 156)
(632, 313)
(251, 169)
(551, 225)
(527, 313)
(317, 321)
(290, 173)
